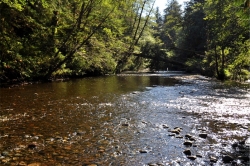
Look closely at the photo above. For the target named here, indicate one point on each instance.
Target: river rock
(22, 163)
(32, 145)
(187, 152)
(5, 153)
(101, 151)
(234, 145)
(58, 138)
(244, 158)
(165, 126)
(188, 143)
(191, 157)
(203, 135)
(188, 136)
(80, 132)
(143, 151)
(227, 159)
(18, 155)
(125, 124)
(175, 131)
(178, 128)
(199, 155)
(213, 159)
(35, 164)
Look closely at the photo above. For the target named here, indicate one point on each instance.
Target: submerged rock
(143, 151)
(244, 158)
(22, 163)
(176, 130)
(234, 145)
(32, 145)
(188, 136)
(188, 143)
(187, 152)
(227, 159)
(179, 136)
(213, 159)
(165, 126)
(5, 153)
(203, 135)
(191, 157)
(35, 164)
(199, 155)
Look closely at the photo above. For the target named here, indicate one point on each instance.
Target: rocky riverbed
(138, 119)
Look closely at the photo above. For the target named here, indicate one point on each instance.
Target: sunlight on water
(137, 119)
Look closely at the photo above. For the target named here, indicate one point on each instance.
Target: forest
(45, 39)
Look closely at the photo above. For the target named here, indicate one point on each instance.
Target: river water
(127, 119)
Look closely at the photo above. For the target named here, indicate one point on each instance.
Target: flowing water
(127, 119)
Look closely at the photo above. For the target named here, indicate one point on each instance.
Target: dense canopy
(40, 40)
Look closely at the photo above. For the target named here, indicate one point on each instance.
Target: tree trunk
(216, 62)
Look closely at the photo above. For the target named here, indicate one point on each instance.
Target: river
(163, 118)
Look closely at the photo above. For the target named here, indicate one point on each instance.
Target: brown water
(119, 120)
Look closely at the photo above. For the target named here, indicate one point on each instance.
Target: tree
(227, 38)
(194, 30)
(171, 24)
(136, 29)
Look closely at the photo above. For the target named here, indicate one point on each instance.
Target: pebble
(191, 157)
(101, 151)
(244, 127)
(234, 145)
(5, 153)
(192, 139)
(199, 155)
(22, 163)
(35, 164)
(195, 145)
(188, 143)
(188, 136)
(203, 135)
(58, 137)
(187, 152)
(18, 155)
(32, 146)
(143, 151)
(227, 159)
(175, 131)
(80, 132)
(67, 148)
(165, 126)
(244, 158)
(213, 159)
(178, 128)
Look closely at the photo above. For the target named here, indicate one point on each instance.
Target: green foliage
(44, 39)
(227, 37)
(171, 24)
